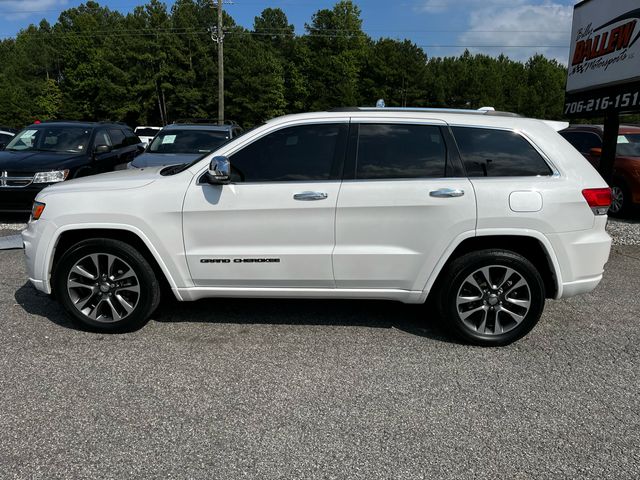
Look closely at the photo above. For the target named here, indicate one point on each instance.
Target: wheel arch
(531, 245)
(72, 235)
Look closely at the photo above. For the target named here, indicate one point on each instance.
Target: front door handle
(310, 196)
(446, 192)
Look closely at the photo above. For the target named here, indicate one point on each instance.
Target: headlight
(36, 210)
(51, 177)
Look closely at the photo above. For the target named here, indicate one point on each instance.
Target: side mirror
(2, 145)
(101, 149)
(596, 151)
(219, 172)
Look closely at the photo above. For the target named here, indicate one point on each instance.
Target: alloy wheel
(493, 300)
(103, 287)
(617, 199)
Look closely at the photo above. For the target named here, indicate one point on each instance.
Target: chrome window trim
(555, 172)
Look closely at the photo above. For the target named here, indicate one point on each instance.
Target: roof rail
(208, 121)
(482, 111)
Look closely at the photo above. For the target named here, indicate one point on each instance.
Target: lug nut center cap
(104, 287)
(493, 299)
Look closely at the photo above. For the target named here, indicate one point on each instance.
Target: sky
(517, 28)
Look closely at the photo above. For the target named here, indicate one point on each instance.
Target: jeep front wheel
(106, 285)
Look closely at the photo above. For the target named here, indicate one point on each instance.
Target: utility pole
(217, 35)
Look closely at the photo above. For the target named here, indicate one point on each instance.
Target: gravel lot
(235, 389)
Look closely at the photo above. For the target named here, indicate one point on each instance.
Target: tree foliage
(155, 65)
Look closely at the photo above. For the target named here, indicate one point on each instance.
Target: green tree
(395, 71)
(49, 102)
(337, 50)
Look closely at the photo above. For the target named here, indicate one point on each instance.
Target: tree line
(156, 64)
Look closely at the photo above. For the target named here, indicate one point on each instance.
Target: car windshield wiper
(174, 169)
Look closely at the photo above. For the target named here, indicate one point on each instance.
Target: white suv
(485, 213)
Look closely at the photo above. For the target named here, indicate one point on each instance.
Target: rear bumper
(571, 289)
(581, 257)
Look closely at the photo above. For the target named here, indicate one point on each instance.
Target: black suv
(52, 152)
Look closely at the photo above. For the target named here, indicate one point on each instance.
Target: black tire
(101, 303)
(621, 199)
(500, 326)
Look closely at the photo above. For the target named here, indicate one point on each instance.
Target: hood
(162, 159)
(120, 180)
(39, 161)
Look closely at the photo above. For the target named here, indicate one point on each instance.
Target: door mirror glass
(102, 149)
(2, 145)
(596, 151)
(219, 172)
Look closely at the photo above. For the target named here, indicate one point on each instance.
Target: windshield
(629, 145)
(51, 139)
(146, 131)
(188, 141)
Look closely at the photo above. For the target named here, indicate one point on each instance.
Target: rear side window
(400, 151)
(498, 153)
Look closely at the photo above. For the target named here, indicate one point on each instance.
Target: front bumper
(36, 238)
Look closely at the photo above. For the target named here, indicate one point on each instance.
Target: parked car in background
(625, 183)
(6, 135)
(146, 134)
(485, 213)
(185, 142)
(51, 152)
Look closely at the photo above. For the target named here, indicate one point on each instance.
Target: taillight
(599, 199)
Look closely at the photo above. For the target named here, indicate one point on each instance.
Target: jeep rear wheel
(106, 285)
(491, 297)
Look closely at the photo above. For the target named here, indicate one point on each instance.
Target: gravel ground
(624, 231)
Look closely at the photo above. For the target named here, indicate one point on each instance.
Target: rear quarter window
(498, 153)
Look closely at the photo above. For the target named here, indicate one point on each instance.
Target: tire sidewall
(465, 266)
(144, 272)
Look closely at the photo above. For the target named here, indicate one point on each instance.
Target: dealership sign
(604, 62)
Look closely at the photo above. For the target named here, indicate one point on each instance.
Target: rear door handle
(310, 196)
(446, 192)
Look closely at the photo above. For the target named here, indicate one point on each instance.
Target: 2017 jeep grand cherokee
(486, 213)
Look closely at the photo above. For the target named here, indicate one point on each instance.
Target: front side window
(117, 137)
(130, 137)
(188, 141)
(400, 151)
(299, 153)
(498, 153)
(102, 138)
(51, 139)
